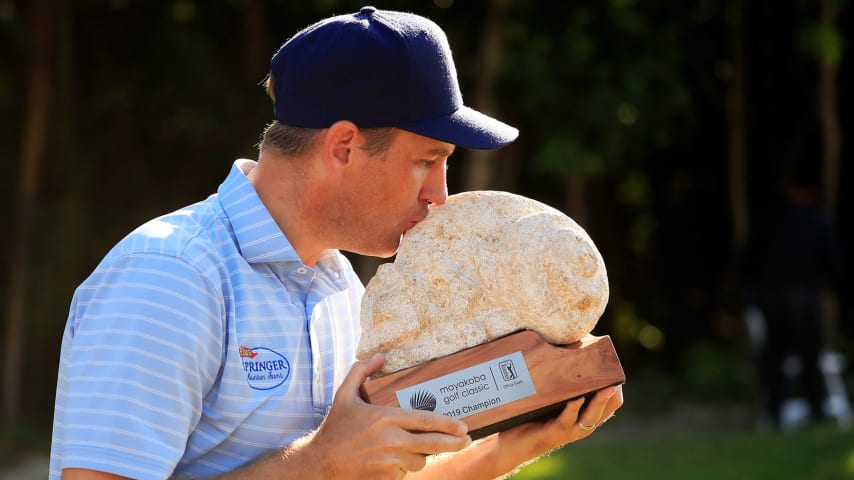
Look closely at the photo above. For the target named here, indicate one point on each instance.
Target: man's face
(388, 194)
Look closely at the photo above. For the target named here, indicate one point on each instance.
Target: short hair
(293, 141)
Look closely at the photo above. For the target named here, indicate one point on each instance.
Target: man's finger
(359, 372)
(596, 411)
(424, 421)
(435, 443)
(413, 462)
(569, 416)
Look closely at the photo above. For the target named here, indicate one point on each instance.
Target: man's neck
(286, 191)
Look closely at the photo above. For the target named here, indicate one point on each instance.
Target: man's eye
(431, 163)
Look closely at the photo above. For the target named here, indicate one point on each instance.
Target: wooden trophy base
(511, 380)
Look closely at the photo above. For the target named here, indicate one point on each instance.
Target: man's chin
(386, 251)
(392, 249)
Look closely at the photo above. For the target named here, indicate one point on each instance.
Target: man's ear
(339, 144)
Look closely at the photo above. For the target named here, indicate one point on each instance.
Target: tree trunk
(737, 141)
(34, 139)
(77, 177)
(480, 172)
(255, 41)
(255, 62)
(828, 114)
(62, 266)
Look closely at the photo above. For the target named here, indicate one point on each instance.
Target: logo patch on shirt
(265, 369)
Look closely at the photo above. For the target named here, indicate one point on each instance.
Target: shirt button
(301, 270)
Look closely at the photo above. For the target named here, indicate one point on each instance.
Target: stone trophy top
(483, 265)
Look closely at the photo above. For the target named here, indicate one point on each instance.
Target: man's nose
(435, 189)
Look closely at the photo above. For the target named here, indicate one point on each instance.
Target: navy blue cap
(378, 68)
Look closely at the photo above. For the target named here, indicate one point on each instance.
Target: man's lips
(412, 223)
(418, 217)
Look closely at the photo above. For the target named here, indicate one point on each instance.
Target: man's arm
(86, 474)
(356, 440)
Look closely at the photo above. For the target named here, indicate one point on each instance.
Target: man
(216, 341)
(795, 260)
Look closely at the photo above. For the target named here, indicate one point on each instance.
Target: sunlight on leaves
(627, 113)
(545, 468)
(563, 155)
(640, 237)
(627, 323)
(629, 326)
(822, 43)
(849, 463)
(183, 10)
(635, 190)
(651, 337)
(7, 11)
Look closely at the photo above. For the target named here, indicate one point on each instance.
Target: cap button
(367, 10)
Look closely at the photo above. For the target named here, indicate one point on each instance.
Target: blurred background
(702, 145)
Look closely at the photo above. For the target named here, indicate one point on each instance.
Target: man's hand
(502, 453)
(571, 425)
(359, 440)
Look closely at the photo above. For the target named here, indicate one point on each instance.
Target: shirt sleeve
(142, 347)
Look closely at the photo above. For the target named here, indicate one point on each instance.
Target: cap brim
(465, 127)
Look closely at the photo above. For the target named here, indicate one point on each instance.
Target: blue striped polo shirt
(201, 342)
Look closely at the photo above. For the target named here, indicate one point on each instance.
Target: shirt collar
(258, 236)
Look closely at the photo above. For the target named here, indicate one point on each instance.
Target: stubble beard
(364, 235)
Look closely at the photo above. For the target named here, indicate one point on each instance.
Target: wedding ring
(584, 427)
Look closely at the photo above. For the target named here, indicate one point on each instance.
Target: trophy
(485, 315)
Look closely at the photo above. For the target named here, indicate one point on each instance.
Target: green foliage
(629, 327)
(597, 81)
(825, 44)
(24, 440)
(817, 454)
(715, 372)
(158, 98)
(634, 191)
(183, 10)
(565, 155)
